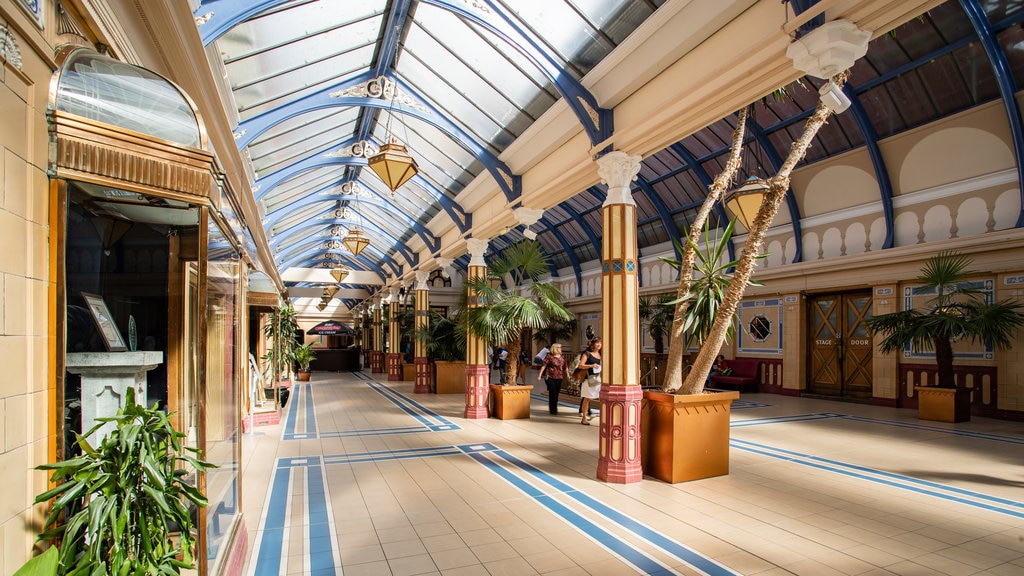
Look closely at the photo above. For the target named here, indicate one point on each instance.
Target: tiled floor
(363, 477)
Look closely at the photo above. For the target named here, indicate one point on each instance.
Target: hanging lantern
(394, 165)
(331, 291)
(339, 273)
(321, 306)
(745, 201)
(355, 240)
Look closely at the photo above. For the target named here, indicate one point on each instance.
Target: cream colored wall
(24, 318)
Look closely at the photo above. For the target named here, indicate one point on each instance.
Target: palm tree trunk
(777, 187)
(512, 366)
(944, 362)
(677, 343)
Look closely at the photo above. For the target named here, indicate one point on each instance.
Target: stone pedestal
(106, 377)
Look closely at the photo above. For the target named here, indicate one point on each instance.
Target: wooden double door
(840, 346)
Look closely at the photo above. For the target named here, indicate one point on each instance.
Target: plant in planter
(126, 506)
(672, 454)
(524, 301)
(958, 311)
(280, 329)
(446, 345)
(303, 355)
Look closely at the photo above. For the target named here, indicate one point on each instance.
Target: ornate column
(477, 371)
(621, 397)
(395, 336)
(421, 324)
(377, 356)
(368, 334)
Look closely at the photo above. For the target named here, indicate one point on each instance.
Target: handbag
(579, 374)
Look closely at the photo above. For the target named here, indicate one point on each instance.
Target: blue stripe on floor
(692, 558)
(270, 547)
(429, 418)
(301, 395)
(943, 491)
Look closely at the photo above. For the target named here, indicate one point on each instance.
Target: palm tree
(555, 331)
(707, 291)
(958, 311)
(657, 311)
(513, 298)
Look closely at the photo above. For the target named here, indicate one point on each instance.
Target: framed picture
(105, 322)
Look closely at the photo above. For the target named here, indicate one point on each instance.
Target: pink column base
(422, 376)
(619, 460)
(394, 367)
(477, 381)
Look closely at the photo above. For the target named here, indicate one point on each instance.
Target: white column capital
(446, 266)
(394, 289)
(829, 49)
(528, 217)
(421, 279)
(617, 169)
(477, 247)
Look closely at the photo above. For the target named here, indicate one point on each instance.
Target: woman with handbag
(553, 371)
(591, 388)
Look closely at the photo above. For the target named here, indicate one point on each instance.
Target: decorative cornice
(383, 88)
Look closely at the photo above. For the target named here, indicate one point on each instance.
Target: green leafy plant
(707, 291)
(280, 329)
(117, 506)
(555, 331)
(43, 565)
(445, 338)
(658, 311)
(957, 312)
(513, 297)
(303, 354)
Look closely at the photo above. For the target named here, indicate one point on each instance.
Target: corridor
(363, 477)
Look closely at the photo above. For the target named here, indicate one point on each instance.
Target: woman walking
(553, 371)
(591, 388)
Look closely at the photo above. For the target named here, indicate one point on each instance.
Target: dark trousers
(554, 387)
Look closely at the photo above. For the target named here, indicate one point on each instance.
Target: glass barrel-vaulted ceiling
(469, 79)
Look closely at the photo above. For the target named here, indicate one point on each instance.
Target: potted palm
(686, 384)
(446, 345)
(957, 311)
(127, 505)
(303, 355)
(513, 298)
(657, 312)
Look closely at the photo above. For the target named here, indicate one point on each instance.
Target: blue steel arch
(579, 99)
(301, 252)
(867, 131)
(369, 227)
(226, 14)
(371, 230)
(313, 261)
(266, 184)
(706, 181)
(1004, 78)
(577, 269)
(252, 128)
(794, 209)
(276, 215)
(659, 204)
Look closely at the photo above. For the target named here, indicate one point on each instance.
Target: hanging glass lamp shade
(331, 291)
(394, 165)
(339, 273)
(355, 241)
(321, 306)
(745, 201)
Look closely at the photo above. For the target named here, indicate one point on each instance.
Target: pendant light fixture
(339, 274)
(355, 240)
(393, 163)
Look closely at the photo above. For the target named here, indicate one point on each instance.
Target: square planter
(409, 372)
(943, 404)
(510, 402)
(449, 377)
(685, 437)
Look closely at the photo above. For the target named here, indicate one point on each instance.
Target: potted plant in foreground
(705, 437)
(126, 506)
(303, 355)
(958, 311)
(514, 298)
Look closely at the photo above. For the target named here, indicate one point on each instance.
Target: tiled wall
(24, 318)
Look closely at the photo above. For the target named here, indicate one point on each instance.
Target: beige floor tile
(450, 515)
